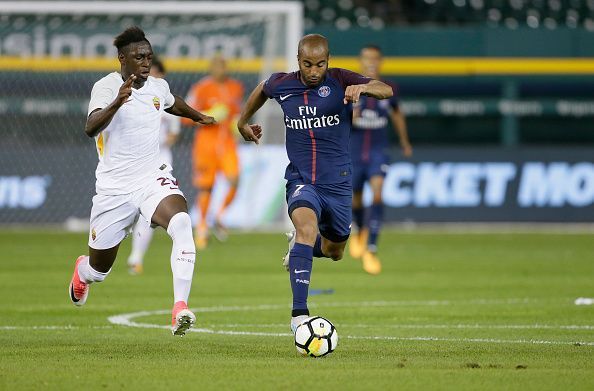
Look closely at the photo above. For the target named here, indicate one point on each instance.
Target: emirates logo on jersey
(157, 103)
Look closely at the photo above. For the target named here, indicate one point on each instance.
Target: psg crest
(324, 91)
(157, 103)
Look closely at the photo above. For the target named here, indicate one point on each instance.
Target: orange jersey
(220, 100)
(214, 145)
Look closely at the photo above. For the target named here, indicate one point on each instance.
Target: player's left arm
(399, 122)
(374, 88)
(182, 109)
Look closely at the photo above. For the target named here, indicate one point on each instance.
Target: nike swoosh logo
(285, 97)
(187, 252)
(300, 271)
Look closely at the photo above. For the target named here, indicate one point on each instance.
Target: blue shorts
(377, 165)
(332, 205)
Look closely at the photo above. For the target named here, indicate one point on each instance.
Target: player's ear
(121, 57)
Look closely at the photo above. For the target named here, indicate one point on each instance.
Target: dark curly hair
(128, 36)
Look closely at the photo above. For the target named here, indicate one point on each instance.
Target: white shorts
(112, 216)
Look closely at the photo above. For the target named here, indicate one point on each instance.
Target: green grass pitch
(450, 311)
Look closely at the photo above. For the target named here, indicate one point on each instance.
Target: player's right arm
(99, 118)
(252, 132)
(399, 121)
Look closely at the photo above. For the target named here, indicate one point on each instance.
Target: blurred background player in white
(170, 128)
(124, 118)
(369, 144)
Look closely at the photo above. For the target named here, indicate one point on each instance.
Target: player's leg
(304, 208)
(335, 221)
(230, 167)
(301, 261)
(376, 212)
(359, 239)
(204, 173)
(371, 262)
(166, 206)
(202, 204)
(111, 216)
(142, 235)
(172, 215)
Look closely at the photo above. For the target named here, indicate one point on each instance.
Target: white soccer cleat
(291, 239)
(296, 321)
(182, 319)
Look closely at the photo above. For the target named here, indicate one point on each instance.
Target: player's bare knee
(306, 233)
(333, 251)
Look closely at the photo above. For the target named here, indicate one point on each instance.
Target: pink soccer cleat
(78, 290)
(182, 319)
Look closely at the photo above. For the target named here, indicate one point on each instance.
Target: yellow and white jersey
(128, 147)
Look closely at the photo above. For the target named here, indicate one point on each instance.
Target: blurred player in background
(316, 103)
(215, 149)
(124, 117)
(170, 128)
(369, 143)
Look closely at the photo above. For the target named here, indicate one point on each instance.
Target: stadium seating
(373, 14)
(548, 14)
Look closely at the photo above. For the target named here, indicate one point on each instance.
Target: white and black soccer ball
(316, 337)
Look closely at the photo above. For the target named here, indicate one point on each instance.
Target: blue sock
(317, 248)
(375, 223)
(358, 215)
(300, 265)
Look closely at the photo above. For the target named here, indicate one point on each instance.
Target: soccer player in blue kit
(316, 102)
(369, 141)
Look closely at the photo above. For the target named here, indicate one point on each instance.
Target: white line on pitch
(378, 303)
(486, 340)
(64, 327)
(266, 334)
(391, 326)
(435, 326)
(126, 320)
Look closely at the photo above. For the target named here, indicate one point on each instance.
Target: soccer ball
(316, 337)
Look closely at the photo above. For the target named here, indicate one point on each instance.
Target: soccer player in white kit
(142, 232)
(124, 117)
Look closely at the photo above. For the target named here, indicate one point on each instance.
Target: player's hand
(251, 132)
(206, 120)
(125, 91)
(352, 93)
(407, 150)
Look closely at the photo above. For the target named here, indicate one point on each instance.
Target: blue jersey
(370, 126)
(317, 123)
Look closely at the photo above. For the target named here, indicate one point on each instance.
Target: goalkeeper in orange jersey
(214, 148)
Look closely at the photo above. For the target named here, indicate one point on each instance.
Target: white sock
(141, 238)
(183, 255)
(89, 275)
